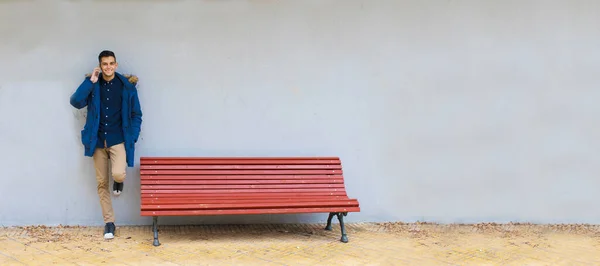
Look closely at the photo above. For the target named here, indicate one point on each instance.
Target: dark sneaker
(117, 188)
(109, 231)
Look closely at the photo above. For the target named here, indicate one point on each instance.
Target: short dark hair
(106, 53)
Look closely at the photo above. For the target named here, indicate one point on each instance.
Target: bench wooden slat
(252, 158)
(250, 205)
(232, 186)
(251, 211)
(245, 195)
(232, 191)
(239, 172)
(255, 200)
(240, 182)
(240, 160)
(238, 177)
(212, 200)
(240, 166)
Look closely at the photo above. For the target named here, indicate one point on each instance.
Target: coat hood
(133, 79)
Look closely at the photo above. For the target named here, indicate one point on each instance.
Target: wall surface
(442, 111)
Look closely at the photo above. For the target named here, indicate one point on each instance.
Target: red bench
(180, 186)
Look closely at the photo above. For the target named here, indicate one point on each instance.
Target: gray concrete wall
(444, 111)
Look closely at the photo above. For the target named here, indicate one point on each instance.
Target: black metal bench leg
(328, 227)
(340, 217)
(155, 229)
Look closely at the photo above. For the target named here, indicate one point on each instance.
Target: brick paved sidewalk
(293, 244)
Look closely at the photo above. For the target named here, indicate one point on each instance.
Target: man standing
(111, 130)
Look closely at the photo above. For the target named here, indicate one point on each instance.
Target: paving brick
(305, 244)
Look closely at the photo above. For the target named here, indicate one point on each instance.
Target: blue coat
(88, 94)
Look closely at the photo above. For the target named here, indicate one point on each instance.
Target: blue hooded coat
(88, 94)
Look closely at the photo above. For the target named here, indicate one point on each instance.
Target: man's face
(108, 65)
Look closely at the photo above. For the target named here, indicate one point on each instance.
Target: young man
(111, 130)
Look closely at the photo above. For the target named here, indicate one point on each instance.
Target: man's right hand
(95, 73)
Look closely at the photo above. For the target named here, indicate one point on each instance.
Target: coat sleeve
(79, 99)
(136, 116)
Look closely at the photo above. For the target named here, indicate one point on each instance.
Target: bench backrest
(198, 177)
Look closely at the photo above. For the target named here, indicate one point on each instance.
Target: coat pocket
(85, 139)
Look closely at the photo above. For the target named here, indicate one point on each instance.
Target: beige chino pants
(118, 165)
